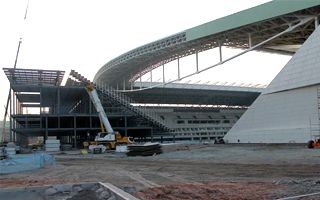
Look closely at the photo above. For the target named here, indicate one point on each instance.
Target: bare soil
(190, 172)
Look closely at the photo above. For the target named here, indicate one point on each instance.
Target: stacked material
(147, 149)
(52, 145)
(121, 149)
(97, 148)
(66, 147)
(10, 151)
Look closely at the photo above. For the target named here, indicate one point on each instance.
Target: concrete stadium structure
(286, 111)
(67, 112)
(175, 111)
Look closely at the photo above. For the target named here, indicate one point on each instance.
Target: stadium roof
(18, 76)
(197, 94)
(258, 23)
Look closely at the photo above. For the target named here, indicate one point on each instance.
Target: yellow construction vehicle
(314, 143)
(107, 136)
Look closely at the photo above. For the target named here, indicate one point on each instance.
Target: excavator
(107, 136)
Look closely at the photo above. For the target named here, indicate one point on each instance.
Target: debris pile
(147, 149)
(211, 190)
(80, 191)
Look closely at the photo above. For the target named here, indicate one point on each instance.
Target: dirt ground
(190, 172)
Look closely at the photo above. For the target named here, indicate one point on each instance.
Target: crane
(107, 135)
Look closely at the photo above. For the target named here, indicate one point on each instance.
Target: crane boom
(102, 115)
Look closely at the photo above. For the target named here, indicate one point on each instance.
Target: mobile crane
(107, 136)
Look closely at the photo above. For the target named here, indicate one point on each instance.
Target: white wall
(281, 117)
(282, 113)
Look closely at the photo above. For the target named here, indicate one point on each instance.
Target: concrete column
(75, 131)
(125, 126)
(58, 102)
(250, 41)
(220, 51)
(10, 117)
(151, 133)
(140, 81)
(90, 105)
(17, 106)
(178, 68)
(46, 131)
(13, 103)
(14, 112)
(163, 77)
(197, 61)
(40, 100)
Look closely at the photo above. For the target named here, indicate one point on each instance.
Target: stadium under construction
(169, 110)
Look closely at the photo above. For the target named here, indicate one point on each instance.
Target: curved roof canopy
(197, 94)
(260, 22)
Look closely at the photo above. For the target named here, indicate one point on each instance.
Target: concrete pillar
(10, 117)
(140, 81)
(125, 126)
(220, 51)
(249, 40)
(197, 62)
(40, 100)
(163, 77)
(58, 102)
(178, 68)
(46, 131)
(75, 131)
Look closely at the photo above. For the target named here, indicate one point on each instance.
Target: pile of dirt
(211, 190)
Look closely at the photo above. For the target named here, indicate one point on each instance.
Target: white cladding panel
(284, 111)
(302, 70)
(281, 117)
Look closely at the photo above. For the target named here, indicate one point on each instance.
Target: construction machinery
(314, 143)
(107, 136)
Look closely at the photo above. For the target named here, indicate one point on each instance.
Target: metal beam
(289, 29)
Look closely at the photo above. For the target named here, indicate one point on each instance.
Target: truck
(107, 136)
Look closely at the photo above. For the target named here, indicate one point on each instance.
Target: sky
(85, 34)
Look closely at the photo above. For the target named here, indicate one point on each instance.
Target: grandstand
(169, 110)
